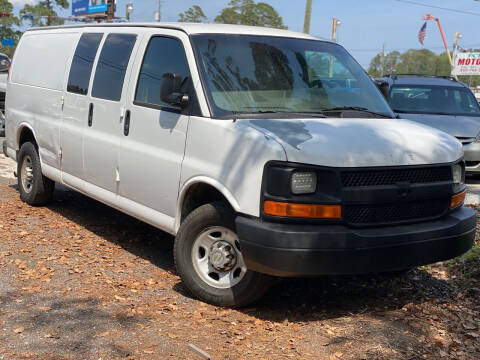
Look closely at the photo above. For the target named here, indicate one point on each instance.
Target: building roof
(196, 28)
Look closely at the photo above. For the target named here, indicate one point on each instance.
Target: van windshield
(264, 75)
(441, 100)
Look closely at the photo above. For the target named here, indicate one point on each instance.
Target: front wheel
(209, 259)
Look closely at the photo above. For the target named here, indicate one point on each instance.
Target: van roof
(195, 28)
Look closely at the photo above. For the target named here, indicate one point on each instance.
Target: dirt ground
(79, 280)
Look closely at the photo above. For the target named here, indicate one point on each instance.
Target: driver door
(153, 144)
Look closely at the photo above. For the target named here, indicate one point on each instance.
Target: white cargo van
(265, 152)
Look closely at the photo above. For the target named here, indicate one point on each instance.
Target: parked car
(4, 67)
(265, 152)
(440, 102)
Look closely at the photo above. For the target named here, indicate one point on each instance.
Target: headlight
(457, 171)
(304, 182)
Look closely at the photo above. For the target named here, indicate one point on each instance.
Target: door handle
(126, 126)
(90, 115)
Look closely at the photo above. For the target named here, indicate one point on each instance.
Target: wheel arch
(25, 133)
(200, 191)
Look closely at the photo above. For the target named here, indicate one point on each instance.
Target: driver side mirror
(171, 90)
(383, 87)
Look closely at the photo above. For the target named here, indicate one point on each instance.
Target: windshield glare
(258, 74)
(433, 100)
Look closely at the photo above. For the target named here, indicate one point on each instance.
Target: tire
(238, 286)
(35, 189)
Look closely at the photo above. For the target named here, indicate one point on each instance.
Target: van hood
(360, 142)
(459, 126)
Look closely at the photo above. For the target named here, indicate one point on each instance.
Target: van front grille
(394, 176)
(394, 213)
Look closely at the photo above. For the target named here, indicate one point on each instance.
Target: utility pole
(158, 13)
(382, 58)
(335, 25)
(308, 17)
(457, 37)
(128, 11)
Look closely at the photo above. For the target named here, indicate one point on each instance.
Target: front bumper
(472, 157)
(292, 250)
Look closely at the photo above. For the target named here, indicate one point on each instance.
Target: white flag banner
(467, 64)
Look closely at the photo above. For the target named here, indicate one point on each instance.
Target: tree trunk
(49, 6)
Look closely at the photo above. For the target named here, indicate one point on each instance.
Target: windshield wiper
(282, 113)
(355, 108)
(302, 113)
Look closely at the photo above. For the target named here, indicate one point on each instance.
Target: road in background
(473, 195)
(7, 167)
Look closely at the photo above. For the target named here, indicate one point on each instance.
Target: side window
(82, 63)
(112, 66)
(163, 55)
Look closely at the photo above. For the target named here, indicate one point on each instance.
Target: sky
(366, 24)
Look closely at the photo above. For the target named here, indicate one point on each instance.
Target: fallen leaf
(106, 333)
(469, 326)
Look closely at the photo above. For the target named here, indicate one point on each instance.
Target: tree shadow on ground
(292, 299)
(133, 235)
(62, 325)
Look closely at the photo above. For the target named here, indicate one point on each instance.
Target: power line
(439, 7)
(411, 48)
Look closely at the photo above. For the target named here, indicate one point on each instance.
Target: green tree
(443, 67)
(388, 62)
(417, 62)
(194, 14)
(7, 27)
(422, 62)
(248, 12)
(44, 12)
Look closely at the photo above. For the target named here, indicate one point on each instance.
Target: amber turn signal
(458, 199)
(311, 211)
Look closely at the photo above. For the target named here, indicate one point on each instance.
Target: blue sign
(8, 42)
(84, 7)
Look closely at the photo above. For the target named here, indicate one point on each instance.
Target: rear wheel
(35, 189)
(209, 259)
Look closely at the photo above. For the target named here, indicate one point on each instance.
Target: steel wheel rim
(26, 174)
(202, 250)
